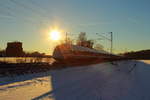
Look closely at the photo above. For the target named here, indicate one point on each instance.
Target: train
(75, 54)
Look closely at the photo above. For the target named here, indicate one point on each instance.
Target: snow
(122, 80)
(67, 47)
(81, 48)
(25, 90)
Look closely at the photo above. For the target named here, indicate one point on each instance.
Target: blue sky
(28, 21)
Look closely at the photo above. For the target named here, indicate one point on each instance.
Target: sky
(30, 21)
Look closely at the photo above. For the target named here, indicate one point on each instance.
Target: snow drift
(124, 80)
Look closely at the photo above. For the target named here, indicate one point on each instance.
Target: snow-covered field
(124, 80)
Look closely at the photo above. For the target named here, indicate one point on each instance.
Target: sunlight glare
(55, 35)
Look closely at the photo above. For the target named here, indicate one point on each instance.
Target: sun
(55, 35)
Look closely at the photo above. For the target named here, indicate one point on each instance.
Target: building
(14, 49)
(88, 43)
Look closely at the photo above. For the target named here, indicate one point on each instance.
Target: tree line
(25, 54)
(142, 54)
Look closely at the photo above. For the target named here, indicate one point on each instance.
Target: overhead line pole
(111, 42)
(66, 37)
(110, 39)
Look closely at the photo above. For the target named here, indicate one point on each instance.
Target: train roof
(81, 48)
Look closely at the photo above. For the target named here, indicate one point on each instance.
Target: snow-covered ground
(124, 80)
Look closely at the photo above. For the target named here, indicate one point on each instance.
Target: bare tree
(83, 41)
(82, 37)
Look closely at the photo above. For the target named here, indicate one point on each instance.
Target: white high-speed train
(74, 53)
